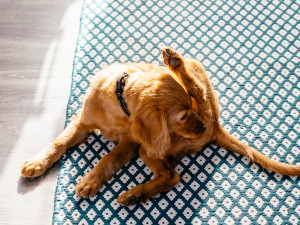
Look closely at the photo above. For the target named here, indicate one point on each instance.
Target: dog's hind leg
(74, 133)
(193, 77)
(188, 71)
(106, 167)
(165, 178)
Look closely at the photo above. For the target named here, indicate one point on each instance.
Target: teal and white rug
(251, 50)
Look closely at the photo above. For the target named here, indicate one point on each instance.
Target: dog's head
(164, 106)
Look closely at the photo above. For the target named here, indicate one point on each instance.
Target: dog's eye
(184, 116)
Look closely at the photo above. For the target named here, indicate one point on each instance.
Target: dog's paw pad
(34, 168)
(128, 199)
(88, 186)
(171, 57)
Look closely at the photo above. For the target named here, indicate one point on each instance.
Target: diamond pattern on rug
(251, 50)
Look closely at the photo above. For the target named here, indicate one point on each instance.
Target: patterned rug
(251, 50)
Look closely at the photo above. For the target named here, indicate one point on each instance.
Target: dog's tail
(225, 140)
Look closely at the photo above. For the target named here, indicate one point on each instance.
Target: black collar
(120, 84)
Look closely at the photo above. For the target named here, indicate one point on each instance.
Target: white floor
(37, 44)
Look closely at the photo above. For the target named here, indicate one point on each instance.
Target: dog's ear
(150, 129)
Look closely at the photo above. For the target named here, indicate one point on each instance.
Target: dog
(161, 113)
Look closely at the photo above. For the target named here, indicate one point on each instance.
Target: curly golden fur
(174, 112)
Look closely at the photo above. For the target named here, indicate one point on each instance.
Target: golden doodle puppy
(160, 113)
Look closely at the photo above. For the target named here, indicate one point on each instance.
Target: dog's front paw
(34, 167)
(88, 186)
(130, 198)
(171, 58)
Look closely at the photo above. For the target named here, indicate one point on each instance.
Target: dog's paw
(171, 58)
(130, 198)
(88, 186)
(34, 167)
